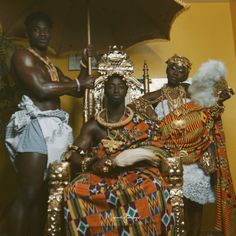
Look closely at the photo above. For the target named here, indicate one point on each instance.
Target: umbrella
(106, 22)
(123, 22)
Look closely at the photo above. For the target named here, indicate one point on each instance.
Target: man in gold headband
(192, 131)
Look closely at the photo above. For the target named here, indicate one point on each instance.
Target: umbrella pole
(146, 78)
(89, 37)
(88, 99)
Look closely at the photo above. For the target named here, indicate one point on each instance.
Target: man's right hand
(89, 51)
(224, 95)
(87, 82)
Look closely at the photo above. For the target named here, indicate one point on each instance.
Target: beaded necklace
(108, 125)
(110, 143)
(50, 67)
(178, 124)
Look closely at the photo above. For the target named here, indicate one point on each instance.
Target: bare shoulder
(22, 57)
(92, 127)
(90, 134)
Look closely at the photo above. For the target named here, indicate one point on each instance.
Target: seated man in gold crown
(193, 131)
(120, 190)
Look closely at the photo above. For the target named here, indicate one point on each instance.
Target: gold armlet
(107, 166)
(73, 148)
(85, 163)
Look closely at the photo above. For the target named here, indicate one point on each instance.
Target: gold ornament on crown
(180, 61)
(116, 61)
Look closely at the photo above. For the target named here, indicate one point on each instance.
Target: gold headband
(180, 61)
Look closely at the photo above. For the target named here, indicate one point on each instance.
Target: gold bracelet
(73, 147)
(85, 163)
(77, 149)
(70, 149)
(108, 164)
(83, 65)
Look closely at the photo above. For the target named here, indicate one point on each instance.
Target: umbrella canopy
(123, 22)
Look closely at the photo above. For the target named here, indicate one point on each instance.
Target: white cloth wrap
(53, 124)
(197, 186)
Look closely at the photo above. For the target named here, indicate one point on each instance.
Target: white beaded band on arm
(82, 64)
(78, 84)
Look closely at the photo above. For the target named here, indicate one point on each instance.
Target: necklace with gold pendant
(183, 154)
(111, 145)
(178, 124)
(175, 103)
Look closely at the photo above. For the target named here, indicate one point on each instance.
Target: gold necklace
(108, 125)
(174, 104)
(50, 67)
(179, 125)
(111, 144)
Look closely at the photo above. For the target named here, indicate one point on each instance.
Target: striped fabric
(195, 138)
(133, 201)
(136, 202)
(225, 194)
(201, 132)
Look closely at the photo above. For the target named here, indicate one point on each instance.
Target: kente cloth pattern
(139, 132)
(202, 131)
(53, 123)
(225, 194)
(195, 137)
(135, 201)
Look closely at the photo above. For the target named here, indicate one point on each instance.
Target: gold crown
(115, 61)
(180, 61)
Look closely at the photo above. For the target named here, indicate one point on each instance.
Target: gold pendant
(111, 144)
(178, 124)
(177, 112)
(183, 154)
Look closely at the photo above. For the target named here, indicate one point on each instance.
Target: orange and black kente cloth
(131, 201)
(201, 131)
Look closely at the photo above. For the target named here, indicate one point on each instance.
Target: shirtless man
(38, 133)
